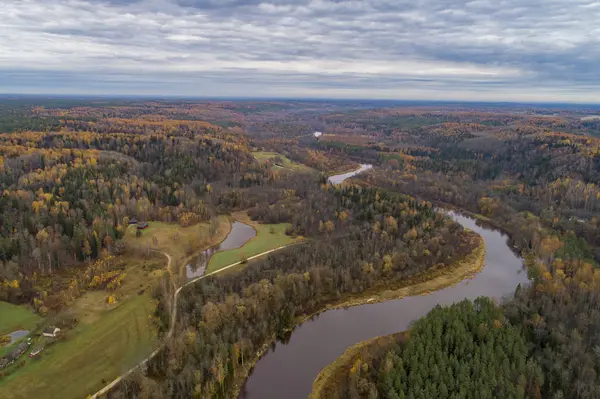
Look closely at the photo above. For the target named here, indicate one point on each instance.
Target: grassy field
(13, 317)
(178, 241)
(96, 350)
(142, 274)
(285, 163)
(110, 338)
(268, 236)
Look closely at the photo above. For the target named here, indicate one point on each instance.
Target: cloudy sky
(507, 50)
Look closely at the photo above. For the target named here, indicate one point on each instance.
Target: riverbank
(326, 384)
(434, 279)
(340, 178)
(268, 236)
(220, 235)
(421, 284)
(238, 216)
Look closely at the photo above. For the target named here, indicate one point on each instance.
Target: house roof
(50, 329)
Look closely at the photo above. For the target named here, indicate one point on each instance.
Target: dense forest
(542, 188)
(67, 197)
(366, 238)
(540, 344)
(467, 350)
(73, 174)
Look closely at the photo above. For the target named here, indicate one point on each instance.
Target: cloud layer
(524, 50)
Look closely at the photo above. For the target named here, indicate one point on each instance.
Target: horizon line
(9, 96)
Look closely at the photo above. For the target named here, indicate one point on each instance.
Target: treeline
(225, 321)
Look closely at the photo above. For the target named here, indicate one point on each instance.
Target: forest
(369, 239)
(539, 186)
(467, 350)
(74, 174)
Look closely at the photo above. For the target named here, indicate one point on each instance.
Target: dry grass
(142, 274)
(285, 162)
(179, 242)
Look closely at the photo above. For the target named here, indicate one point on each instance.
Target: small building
(36, 351)
(133, 221)
(317, 134)
(51, 331)
(4, 362)
(17, 352)
(142, 225)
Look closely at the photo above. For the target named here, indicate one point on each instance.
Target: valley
(222, 258)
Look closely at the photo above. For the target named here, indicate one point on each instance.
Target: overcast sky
(507, 50)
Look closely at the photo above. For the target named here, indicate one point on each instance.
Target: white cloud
(376, 48)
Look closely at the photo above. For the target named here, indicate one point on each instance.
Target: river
(240, 234)
(288, 369)
(337, 179)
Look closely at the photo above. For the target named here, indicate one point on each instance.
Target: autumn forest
(106, 203)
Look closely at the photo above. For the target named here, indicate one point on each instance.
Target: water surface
(289, 369)
(337, 179)
(240, 234)
(17, 335)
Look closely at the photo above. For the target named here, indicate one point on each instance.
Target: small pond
(240, 234)
(337, 179)
(17, 335)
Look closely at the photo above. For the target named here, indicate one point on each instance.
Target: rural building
(133, 221)
(15, 354)
(317, 134)
(51, 331)
(4, 362)
(142, 225)
(36, 352)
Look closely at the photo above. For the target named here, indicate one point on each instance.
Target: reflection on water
(337, 179)
(288, 370)
(240, 234)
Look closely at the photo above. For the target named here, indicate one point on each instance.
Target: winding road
(112, 384)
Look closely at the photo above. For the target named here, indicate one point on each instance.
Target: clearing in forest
(179, 242)
(280, 161)
(268, 236)
(110, 337)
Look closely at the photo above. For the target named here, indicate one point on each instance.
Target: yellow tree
(86, 249)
